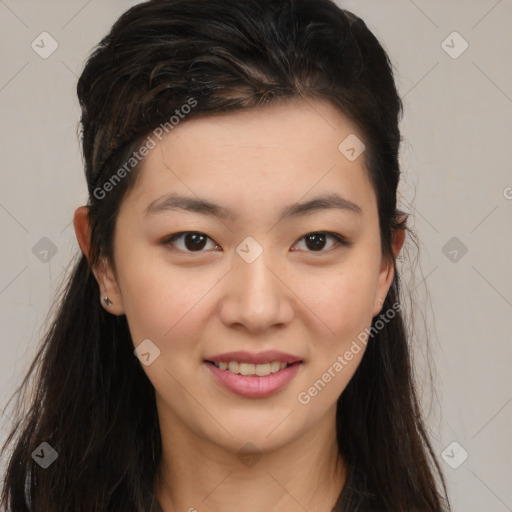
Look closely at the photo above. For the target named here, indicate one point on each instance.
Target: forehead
(287, 149)
(290, 127)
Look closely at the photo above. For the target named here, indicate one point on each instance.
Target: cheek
(154, 297)
(343, 296)
(339, 344)
(170, 307)
(342, 301)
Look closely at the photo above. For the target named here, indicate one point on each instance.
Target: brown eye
(189, 241)
(316, 242)
(194, 241)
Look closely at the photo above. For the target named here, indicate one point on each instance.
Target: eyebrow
(191, 204)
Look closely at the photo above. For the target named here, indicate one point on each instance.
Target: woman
(232, 334)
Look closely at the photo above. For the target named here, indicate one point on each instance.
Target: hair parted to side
(89, 397)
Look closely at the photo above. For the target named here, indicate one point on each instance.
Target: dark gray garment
(355, 496)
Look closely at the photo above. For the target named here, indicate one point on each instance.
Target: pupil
(310, 238)
(198, 241)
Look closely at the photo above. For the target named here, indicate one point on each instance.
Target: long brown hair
(91, 401)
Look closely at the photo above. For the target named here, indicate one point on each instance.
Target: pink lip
(256, 358)
(253, 386)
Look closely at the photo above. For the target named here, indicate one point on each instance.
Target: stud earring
(380, 302)
(106, 300)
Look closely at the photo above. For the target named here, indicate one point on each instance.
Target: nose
(257, 296)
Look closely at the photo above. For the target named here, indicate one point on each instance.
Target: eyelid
(340, 240)
(167, 240)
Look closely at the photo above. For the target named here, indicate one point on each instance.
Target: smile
(261, 370)
(253, 380)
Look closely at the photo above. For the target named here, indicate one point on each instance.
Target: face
(256, 273)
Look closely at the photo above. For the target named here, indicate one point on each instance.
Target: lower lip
(254, 386)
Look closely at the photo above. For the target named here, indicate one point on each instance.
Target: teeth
(275, 366)
(261, 370)
(247, 368)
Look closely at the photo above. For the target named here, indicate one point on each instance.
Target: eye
(191, 241)
(195, 241)
(316, 241)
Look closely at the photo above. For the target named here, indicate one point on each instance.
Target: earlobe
(385, 279)
(111, 298)
(110, 295)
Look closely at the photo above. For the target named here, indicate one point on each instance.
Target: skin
(293, 298)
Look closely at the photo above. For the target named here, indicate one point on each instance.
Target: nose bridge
(256, 297)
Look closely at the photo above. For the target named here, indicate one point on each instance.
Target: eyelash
(340, 240)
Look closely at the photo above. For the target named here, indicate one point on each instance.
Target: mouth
(253, 380)
(252, 369)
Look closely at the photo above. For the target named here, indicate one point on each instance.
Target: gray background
(457, 185)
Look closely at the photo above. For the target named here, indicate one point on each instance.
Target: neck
(197, 475)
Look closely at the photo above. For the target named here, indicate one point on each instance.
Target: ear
(104, 275)
(387, 271)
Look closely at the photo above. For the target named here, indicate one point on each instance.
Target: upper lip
(255, 357)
